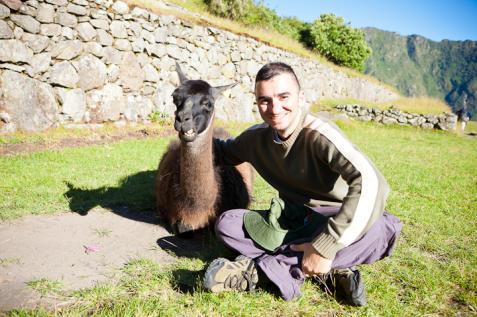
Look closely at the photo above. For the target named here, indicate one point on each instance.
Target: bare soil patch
(78, 251)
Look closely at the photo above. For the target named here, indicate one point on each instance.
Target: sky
(435, 20)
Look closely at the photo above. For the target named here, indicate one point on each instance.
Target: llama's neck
(197, 174)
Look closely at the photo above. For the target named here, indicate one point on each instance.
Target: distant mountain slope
(418, 66)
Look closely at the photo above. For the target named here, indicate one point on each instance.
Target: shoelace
(234, 281)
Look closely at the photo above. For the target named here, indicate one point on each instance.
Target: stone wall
(444, 121)
(83, 61)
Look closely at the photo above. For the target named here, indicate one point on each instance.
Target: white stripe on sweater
(369, 181)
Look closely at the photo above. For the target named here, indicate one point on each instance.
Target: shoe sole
(222, 269)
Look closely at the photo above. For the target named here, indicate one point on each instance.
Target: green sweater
(315, 166)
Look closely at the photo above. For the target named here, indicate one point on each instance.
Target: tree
(340, 43)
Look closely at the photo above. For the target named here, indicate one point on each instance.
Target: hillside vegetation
(289, 33)
(417, 66)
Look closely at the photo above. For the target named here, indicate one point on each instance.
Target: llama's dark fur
(191, 189)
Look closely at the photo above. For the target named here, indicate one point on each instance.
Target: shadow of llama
(191, 189)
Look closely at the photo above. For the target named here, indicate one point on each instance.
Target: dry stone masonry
(81, 62)
(444, 121)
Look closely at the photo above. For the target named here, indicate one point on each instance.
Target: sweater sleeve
(230, 151)
(366, 196)
(237, 150)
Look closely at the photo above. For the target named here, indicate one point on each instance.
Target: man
(330, 214)
(463, 115)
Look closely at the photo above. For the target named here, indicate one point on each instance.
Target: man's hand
(313, 263)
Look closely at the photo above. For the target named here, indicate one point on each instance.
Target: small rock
(118, 29)
(66, 19)
(86, 32)
(40, 62)
(5, 117)
(60, 3)
(10, 127)
(37, 43)
(50, 29)
(64, 74)
(94, 48)
(14, 67)
(122, 44)
(112, 72)
(33, 109)
(112, 56)
(4, 11)
(45, 13)
(18, 33)
(5, 31)
(140, 13)
(76, 9)
(91, 71)
(100, 24)
(14, 51)
(67, 33)
(151, 73)
(138, 45)
(15, 5)
(120, 7)
(26, 22)
(104, 37)
(131, 74)
(73, 103)
(67, 50)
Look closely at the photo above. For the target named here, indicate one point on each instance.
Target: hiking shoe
(224, 275)
(346, 284)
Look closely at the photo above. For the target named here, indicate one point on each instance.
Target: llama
(191, 190)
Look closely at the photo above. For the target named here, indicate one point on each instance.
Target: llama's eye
(207, 105)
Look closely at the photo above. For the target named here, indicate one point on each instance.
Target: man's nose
(274, 106)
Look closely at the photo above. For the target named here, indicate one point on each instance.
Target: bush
(340, 43)
(230, 9)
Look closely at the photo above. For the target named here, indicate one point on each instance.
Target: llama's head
(194, 100)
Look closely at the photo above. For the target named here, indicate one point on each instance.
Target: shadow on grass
(187, 281)
(133, 198)
(201, 245)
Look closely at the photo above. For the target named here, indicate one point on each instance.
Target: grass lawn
(433, 176)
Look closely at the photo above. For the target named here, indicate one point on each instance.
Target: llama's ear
(215, 91)
(182, 77)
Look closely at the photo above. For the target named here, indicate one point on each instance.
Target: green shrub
(340, 43)
(230, 9)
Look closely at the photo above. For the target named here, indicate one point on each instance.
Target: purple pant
(283, 267)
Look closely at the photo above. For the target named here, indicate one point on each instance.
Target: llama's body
(191, 190)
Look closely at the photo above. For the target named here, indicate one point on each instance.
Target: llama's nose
(184, 121)
(184, 117)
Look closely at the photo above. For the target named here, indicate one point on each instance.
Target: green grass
(45, 286)
(433, 176)
(418, 105)
(471, 127)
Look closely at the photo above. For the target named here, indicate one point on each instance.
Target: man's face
(280, 101)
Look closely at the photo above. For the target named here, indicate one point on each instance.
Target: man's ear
(301, 99)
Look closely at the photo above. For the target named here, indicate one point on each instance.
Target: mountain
(418, 66)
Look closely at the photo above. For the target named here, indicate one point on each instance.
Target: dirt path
(78, 251)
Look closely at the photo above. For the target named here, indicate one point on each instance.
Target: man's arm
(227, 152)
(363, 204)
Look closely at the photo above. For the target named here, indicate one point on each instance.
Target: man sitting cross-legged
(330, 215)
